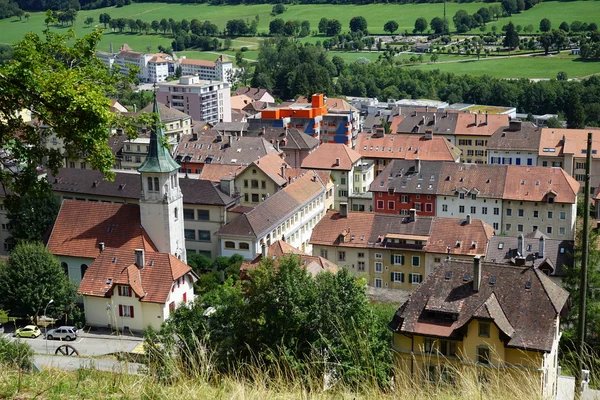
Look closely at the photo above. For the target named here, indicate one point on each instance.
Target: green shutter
(401, 276)
(402, 259)
(392, 259)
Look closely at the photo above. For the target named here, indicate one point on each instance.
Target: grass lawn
(556, 12)
(519, 67)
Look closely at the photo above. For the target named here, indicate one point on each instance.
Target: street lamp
(46, 326)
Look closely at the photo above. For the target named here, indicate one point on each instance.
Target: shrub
(244, 49)
(15, 354)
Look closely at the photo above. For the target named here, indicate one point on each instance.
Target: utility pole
(584, 266)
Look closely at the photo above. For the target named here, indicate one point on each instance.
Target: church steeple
(159, 159)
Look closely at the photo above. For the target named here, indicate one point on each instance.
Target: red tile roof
(534, 183)
(575, 142)
(215, 172)
(409, 147)
(324, 157)
(454, 236)
(201, 63)
(356, 225)
(486, 124)
(151, 284)
(80, 226)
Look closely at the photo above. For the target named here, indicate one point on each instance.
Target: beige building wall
(474, 148)
(355, 259)
(255, 185)
(555, 220)
(200, 225)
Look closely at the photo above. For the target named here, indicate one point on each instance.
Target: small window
(244, 246)
(188, 214)
(83, 268)
(230, 245)
(483, 355)
(378, 267)
(204, 236)
(176, 213)
(378, 282)
(342, 256)
(416, 261)
(484, 329)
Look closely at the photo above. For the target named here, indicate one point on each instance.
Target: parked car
(29, 331)
(63, 333)
(1, 328)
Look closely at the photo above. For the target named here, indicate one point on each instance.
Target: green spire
(159, 159)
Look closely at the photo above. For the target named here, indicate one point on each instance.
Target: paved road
(75, 363)
(88, 345)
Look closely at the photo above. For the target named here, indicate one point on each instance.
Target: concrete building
(515, 144)
(219, 70)
(203, 100)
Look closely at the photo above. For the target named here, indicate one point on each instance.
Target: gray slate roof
(522, 136)
(521, 301)
(290, 139)
(557, 254)
(437, 123)
(166, 113)
(401, 176)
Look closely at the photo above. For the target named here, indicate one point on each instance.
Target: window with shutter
(120, 310)
(131, 311)
(185, 297)
(119, 289)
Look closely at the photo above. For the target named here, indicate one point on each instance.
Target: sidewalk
(105, 333)
(74, 363)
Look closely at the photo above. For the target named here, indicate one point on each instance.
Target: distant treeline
(307, 1)
(43, 5)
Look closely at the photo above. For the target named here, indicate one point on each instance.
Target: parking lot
(87, 344)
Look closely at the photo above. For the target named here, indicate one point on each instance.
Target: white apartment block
(207, 101)
(219, 70)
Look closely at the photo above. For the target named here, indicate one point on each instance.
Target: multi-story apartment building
(203, 100)
(328, 120)
(293, 143)
(567, 148)
(345, 166)
(478, 319)
(219, 70)
(540, 198)
(206, 204)
(152, 67)
(472, 189)
(393, 251)
(515, 144)
(382, 149)
(290, 214)
(407, 184)
(210, 147)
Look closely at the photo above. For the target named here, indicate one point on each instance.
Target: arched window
(229, 245)
(83, 268)
(65, 267)
(149, 184)
(244, 246)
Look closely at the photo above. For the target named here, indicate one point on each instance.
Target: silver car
(67, 333)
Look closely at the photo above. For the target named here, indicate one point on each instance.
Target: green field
(519, 67)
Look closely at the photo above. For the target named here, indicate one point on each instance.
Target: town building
(290, 215)
(256, 94)
(472, 133)
(152, 67)
(382, 149)
(515, 144)
(352, 176)
(209, 147)
(551, 256)
(567, 148)
(219, 70)
(407, 184)
(394, 251)
(496, 322)
(293, 143)
(202, 100)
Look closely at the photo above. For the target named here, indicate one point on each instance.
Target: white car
(67, 333)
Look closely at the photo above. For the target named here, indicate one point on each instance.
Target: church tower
(161, 202)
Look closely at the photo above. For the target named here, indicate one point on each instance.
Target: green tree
(323, 25)
(276, 27)
(575, 112)
(390, 26)
(560, 39)
(358, 24)
(19, 13)
(439, 25)
(510, 6)
(164, 25)
(553, 122)
(561, 76)
(334, 27)
(434, 57)
(89, 21)
(30, 82)
(290, 28)
(227, 43)
(155, 25)
(511, 39)
(421, 25)
(278, 9)
(27, 16)
(546, 40)
(104, 18)
(32, 277)
(545, 25)
(564, 26)
(50, 18)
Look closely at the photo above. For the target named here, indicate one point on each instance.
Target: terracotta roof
(401, 176)
(523, 136)
(409, 147)
(324, 157)
(215, 172)
(241, 101)
(201, 63)
(575, 142)
(422, 122)
(479, 124)
(151, 284)
(481, 179)
(553, 255)
(80, 226)
(455, 236)
(255, 93)
(277, 208)
(313, 264)
(535, 183)
(271, 164)
(523, 302)
(356, 229)
(210, 148)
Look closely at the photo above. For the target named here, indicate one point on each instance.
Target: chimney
(262, 131)
(283, 166)
(417, 165)
(542, 247)
(475, 119)
(468, 219)
(230, 139)
(228, 186)
(476, 273)
(412, 215)
(265, 250)
(139, 258)
(343, 210)
(337, 162)
(514, 125)
(101, 246)
(426, 108)
(486, 118)
(520, 245)
(564, 139)
(194, 135)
